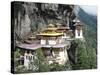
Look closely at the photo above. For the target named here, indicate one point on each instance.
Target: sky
(90, 9)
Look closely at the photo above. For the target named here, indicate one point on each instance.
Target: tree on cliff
(85, 57)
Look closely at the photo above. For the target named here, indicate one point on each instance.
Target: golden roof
(50, 31)
(50, 34)
(51, 25)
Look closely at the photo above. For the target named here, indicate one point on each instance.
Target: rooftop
(77, 24)
(34, 46)
(51, 26)
(50, 34)
(29, 46)
(63, 28)
(76, 20)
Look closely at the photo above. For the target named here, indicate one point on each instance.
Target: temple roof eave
(50, 34)
(33, 47)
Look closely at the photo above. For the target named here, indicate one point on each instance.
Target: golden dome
(51, 27)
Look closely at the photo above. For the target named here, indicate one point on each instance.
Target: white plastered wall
(76, 34)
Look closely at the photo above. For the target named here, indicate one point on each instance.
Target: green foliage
(16, 56)
(17, 53)
(18, 68)
(41, 62)
(57, 67)
(82, 58)
(90, 35)
(86, 56)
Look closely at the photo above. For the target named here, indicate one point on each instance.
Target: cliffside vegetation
(86, 57)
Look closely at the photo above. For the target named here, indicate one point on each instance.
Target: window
(47, 42)
(30, 57)
(56, 53)
(26, 57)
(78, 32)
(47, 52)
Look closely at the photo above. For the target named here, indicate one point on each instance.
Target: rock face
(33, 17)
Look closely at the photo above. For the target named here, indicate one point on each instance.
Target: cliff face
(33, 17)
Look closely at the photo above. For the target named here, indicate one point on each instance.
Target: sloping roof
(63, 28)
(29, 46)
(50, 34)
(77, 24)
(76, 20)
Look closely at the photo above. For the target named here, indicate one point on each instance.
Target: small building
(28, 53)
(78, 30)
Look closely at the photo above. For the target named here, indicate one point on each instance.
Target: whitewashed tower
(78, 29)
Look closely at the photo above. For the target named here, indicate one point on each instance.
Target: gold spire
(51, 27)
